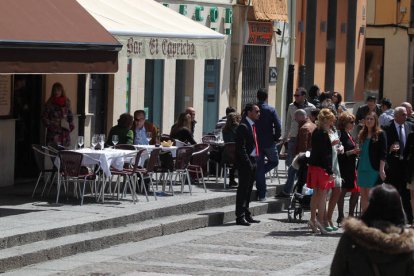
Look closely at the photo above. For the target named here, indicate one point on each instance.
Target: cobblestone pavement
(272, 247)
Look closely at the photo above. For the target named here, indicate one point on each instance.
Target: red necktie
(255, 139)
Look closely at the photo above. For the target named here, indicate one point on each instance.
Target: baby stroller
(301, 196)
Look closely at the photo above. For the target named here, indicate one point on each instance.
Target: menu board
(5, 95)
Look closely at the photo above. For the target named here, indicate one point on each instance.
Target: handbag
(64, 124)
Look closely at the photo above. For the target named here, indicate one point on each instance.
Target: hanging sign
(259, 33)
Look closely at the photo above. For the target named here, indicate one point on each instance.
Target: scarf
(60, 101)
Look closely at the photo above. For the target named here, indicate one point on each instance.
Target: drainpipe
(291, 70)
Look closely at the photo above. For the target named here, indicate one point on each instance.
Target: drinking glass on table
(80, 141)
(94, 141)
(101, 140)
(115, 139)
(149, 136)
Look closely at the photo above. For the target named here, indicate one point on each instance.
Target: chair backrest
(137, 158)
(153, 159)
(183, 157)
(208, 139)
(200, 156)
(229, 153)
(39, 155)
(70, 163)
(125, 147)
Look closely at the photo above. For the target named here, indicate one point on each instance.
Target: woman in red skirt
(320, 175)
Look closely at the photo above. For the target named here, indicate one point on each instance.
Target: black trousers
(396, 176)
(244, 190)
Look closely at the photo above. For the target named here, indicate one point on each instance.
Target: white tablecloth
(107, 158)
(149, 148)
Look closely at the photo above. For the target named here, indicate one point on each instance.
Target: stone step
(59, 247)
(65, 228)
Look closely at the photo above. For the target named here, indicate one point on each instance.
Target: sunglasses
(296, 95)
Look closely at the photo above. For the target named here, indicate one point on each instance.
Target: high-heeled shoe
(339, 220)
(321, 228)
(312, 227)
(331, 225)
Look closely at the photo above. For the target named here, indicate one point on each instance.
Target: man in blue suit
(268, 133)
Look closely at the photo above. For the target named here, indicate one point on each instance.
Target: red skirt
(356, 188)
(318, 178)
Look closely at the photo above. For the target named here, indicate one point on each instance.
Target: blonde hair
(324, 116)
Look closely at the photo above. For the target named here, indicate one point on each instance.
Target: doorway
(154, 90)
(27, 108)
(374, 68)
(254, 72)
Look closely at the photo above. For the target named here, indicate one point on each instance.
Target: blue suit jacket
(268, 128)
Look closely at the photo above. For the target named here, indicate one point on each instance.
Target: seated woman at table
(181, 130)
(229, 129)
(123, 130)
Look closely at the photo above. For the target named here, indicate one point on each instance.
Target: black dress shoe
(252, 220)
(242, 221)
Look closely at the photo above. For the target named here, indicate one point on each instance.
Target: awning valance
(53, 36)
(149, 30)
(270, 10)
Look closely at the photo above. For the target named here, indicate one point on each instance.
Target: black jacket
(321, 153)
(378, 150)
(409, 156)
(392, 135)
(363, 249)
(347, 162)
(244, 144)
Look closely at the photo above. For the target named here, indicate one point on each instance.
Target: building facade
(329, 46)
(389, 50)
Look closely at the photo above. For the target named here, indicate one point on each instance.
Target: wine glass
(101, 140)
(94, 141)
(80, 141)
(115, 139)
(149, 136)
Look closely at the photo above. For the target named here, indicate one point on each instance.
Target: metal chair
(198, 163)
(129, 173)
(40, 155)
(149, 170)
(228, 159)
(181, 166)
(208, 139)
(70, 169)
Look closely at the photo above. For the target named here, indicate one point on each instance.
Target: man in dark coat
(268, 134)
(397, 132)
(247, 150)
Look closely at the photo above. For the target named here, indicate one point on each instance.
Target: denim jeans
(287, 189)
(263, 168)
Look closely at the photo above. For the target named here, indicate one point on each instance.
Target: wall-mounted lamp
(343, 28)
(362, 30)
(324, 26)
(301, 26)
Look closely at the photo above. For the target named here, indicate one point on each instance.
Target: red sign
(260, 33)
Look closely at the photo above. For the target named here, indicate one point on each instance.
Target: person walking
(320, 174)
(268, 133)
(247, 150)
(347, 164)
(372, 157)
(378, 243)
(291, 131)
(397, 133)
(58, 117)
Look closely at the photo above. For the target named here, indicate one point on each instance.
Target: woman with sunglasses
(347, 164)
